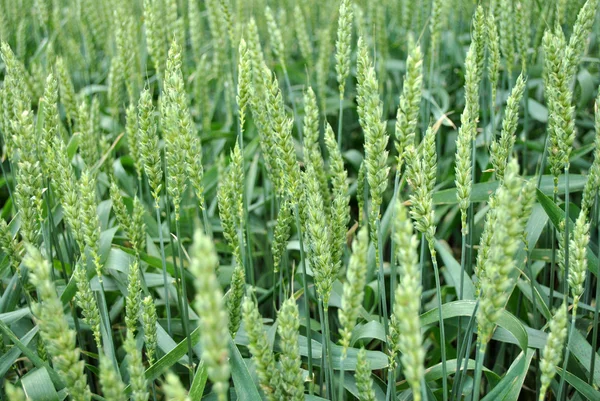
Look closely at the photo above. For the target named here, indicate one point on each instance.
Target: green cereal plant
(436, 25)
(507, 34)
(65, 187)
(148, 142)
(51, 126)
(478, 39)
(234, 299)
(29, 188)
(493, 46)
(304, 42)
(117, 75)
(135, 367)
(553, 350)
(360, 192)
(523, 30)
(318, 235)
(231, 210)
(561, 10)
(501, 149)
(283, 143)
(276, 40)
(58, 338)
(175, 129)
(343, 46)
(112, 385)
(133, 301)
(132, 134)
(156, 38)
(288, 323)
(87, 302)
(281, 232)
(421, 176)
(201, 92)
(230, 201)
(211, 311)
(270, 378)
(319, 253)
(466, 136)
(405, 330)
(173, 388)
(244, 83)
(323, 64)
(9, 245)
(578, 263)
(173, 22)
(340, 209)
(14, 393)
(561, 123)
(312, 149)
(89, 144)
(217, 23)
(497, 275)
(353, 294)
(593, 180)
(364, 382)
(196, 29)
(376, 138)
(408, 108)
(579, 37)
(66, 89)
(90, 223)
(149, 321)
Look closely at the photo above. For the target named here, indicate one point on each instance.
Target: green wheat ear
(493, 46)
(340, 207)
(502, 149)
(343, 45)
(466, 135)
(311, 133)
(553, 350)
(593, 180)
(578, 263)
(364, 382)
(303, 39)
(288, 323)
(14, 393)
(173, 388)
(370, 111)
(211, 310)
(149, 321)
(54, 328)
(111, 382)
(318, 235)
(405, 330)
(353, 293)
(408, 108)
(133, 302)
(496, 277)
(148, 141)
(268, 375)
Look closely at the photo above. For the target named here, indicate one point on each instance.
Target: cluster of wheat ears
(317, 200)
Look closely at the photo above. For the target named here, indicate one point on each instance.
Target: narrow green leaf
(244, 385)
(38, 386)
(199, 382)
(466, 308)
(482, 191)
(510, 385)
(557, 215)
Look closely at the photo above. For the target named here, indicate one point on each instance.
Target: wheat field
(319, 200)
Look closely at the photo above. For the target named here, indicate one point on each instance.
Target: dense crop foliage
(278, 200)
